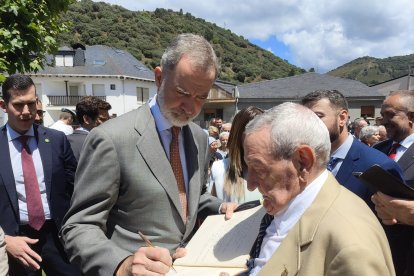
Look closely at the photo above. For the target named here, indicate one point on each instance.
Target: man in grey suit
(90, 112)
(125, 182)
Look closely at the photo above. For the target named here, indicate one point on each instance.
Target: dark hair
(335, 97)
(233, 181)
(88, 106)
(104, 105)
(15, 82)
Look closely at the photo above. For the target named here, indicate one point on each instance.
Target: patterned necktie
(178, 170)
(255, 251)
(393, 151)
(332, 163)
(33, 199)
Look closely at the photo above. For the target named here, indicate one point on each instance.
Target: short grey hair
(406, 98)
(292, 125)
(196, 47)
(221, 135)
(367, 132)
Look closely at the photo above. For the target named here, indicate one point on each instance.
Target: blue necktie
(332, 163)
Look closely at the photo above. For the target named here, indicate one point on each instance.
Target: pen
(149, 244)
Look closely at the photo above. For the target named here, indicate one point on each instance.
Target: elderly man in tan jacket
(313, 225)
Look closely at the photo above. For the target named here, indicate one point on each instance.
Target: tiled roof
(226, 86)
(103, 60)
(298, 86)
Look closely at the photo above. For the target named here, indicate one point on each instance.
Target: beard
(175, 117)
(334, 132)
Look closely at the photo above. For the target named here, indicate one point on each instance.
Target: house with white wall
(111, 74)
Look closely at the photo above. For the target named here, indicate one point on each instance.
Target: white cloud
(319, 33)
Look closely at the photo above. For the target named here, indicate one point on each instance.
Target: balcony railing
(67, 100)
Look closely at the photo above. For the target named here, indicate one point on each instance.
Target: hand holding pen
(147, 260)
(149, 244)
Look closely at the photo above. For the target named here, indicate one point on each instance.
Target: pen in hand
(149, 244)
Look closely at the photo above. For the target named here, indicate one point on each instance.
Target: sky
(319, 34)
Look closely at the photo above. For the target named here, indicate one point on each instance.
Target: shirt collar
(342, 151)
(82, 129)
(407, 142)
(285, 219)
(160, 121)
(12, 134)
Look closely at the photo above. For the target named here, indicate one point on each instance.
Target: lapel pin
(47, 140)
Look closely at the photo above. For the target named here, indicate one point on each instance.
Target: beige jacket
(337, 235)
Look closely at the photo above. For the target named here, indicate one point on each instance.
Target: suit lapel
(150, 147)
(193, 170)
(288, 255)
(349, 163)
(6, 171)
(45, 150)
(407, 159)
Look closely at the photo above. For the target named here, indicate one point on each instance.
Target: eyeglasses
(40, 112)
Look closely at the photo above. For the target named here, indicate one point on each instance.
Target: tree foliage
(146, 34)
(28, 31)
(372, 71)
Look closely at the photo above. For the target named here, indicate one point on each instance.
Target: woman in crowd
(369, 135)
(228, 176)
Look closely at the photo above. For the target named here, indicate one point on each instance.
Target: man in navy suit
(398, 118)
(348, 154)
(42, 157)
(90, 112)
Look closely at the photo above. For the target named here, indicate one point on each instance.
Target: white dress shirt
(164, 131)
(341, 153)
(405, 144)
(61, 126)
(15, 148)
(285, 220)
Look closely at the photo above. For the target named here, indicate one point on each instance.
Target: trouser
(54, 260)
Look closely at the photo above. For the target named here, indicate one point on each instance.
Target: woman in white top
(227, 178)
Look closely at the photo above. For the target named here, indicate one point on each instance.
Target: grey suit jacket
(125, 184)
(337, 235)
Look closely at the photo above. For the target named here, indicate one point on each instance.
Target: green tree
(28, 29)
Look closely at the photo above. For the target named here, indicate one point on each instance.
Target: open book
(220, 245)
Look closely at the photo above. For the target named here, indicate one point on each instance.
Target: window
(113, 87)
(64, 60)
(142, 95)
(98, 89)
(73, 90)
(59, 61)
(368, 111)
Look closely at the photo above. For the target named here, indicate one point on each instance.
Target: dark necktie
(332, 163)
(33, 198)
(393, 151)
(178, 170)
(255, 251)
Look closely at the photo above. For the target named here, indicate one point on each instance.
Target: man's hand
(179, 253)
(393, 210)
(146, 261)
(228, 209)
(19, 248)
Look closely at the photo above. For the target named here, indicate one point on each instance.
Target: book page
(203, 271)
(221, 243)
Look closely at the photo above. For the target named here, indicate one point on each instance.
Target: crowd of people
(73, 203)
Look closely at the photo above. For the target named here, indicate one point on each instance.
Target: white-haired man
(313, 225)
